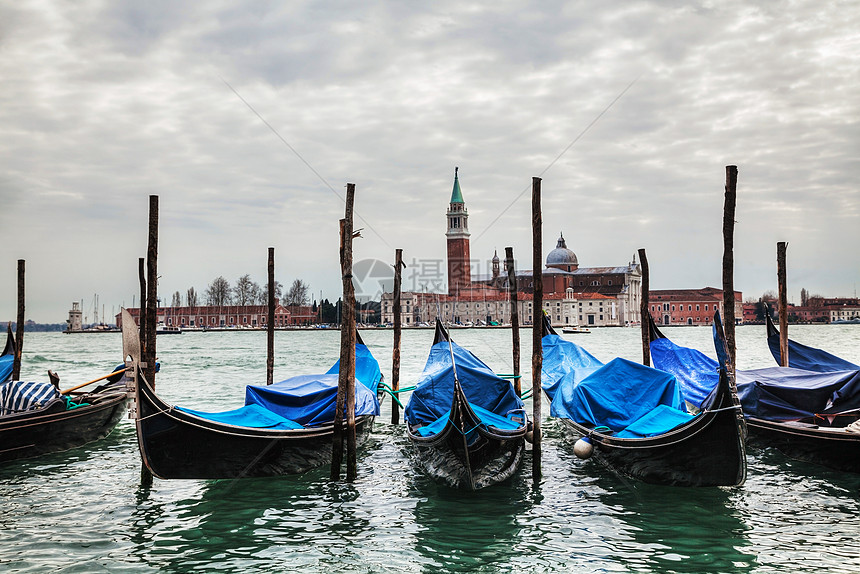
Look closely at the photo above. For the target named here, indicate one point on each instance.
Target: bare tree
(177, 300)
(218, 292)
(246, 291)
(264, 293)
(769, 295)
(804, 297)
(298, 293)
(191, 297)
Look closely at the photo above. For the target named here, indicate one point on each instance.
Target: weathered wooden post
(270, 327)
(148, 320)
(515, 317)
(395, 356)
(141, 275)
(346, 377)
(644, 312)
(781, 248)
(729, 260)
(19, 328)
(537, 326)
(151, 291)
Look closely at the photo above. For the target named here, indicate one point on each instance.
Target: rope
(731, 408)
(389, 390)
(162, 411)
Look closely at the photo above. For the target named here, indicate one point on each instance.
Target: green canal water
(86, 510)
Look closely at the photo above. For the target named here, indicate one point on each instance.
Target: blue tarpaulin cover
(434, 392)
(697, 373)
(6, 367)
(564, 359)
(618, 395)
(309, 400)
(487, 418)
(774, 393)
(784, 393)
(663, 418)
(809, 358)
(305, 400)
(249, 416)
(366, 368)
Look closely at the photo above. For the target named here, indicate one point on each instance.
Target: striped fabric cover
(18, 396)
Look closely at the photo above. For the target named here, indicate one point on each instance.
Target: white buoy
(583, 448)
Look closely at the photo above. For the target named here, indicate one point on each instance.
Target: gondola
(466, 424)
(284, 428)
(806, 415)
(37, 419)
(803, 357)
(634, 419)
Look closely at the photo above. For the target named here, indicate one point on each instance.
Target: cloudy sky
(247, 119)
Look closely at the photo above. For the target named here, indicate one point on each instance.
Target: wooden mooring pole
(149, 354)
(781, 248)
(644, 313)
(729, 260)
(19, 327)
(515, 318)
(270, 327)
(346, 378)
(395, 355)
(537, 326)
(141, 275)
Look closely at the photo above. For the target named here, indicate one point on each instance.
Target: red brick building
(596, 296)
(817, 310)
(227, 316)
(459, 264)
(690, 306)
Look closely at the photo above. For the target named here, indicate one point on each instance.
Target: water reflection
(304, 521)
(181, 525)
(85, 511)
(462, 531)
(676, 529)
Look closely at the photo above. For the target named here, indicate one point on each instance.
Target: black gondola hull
(175, 445)
(483, 457)
(44, 431)
(707, 451)
(834, 448)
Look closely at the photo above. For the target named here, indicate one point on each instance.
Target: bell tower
(459, 266)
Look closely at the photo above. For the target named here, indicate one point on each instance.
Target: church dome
(561, 257)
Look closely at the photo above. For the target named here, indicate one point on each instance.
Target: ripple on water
(86, 510)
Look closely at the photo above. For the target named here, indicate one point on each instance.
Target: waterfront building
(691, 306)
(573, 295)
(229, 316)
(816, 310)
(75, 321)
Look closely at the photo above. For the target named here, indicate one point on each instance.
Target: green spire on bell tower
(456, 195)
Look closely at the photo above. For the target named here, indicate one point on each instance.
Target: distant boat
(162, 329)
(466, 424)
(574, 330)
